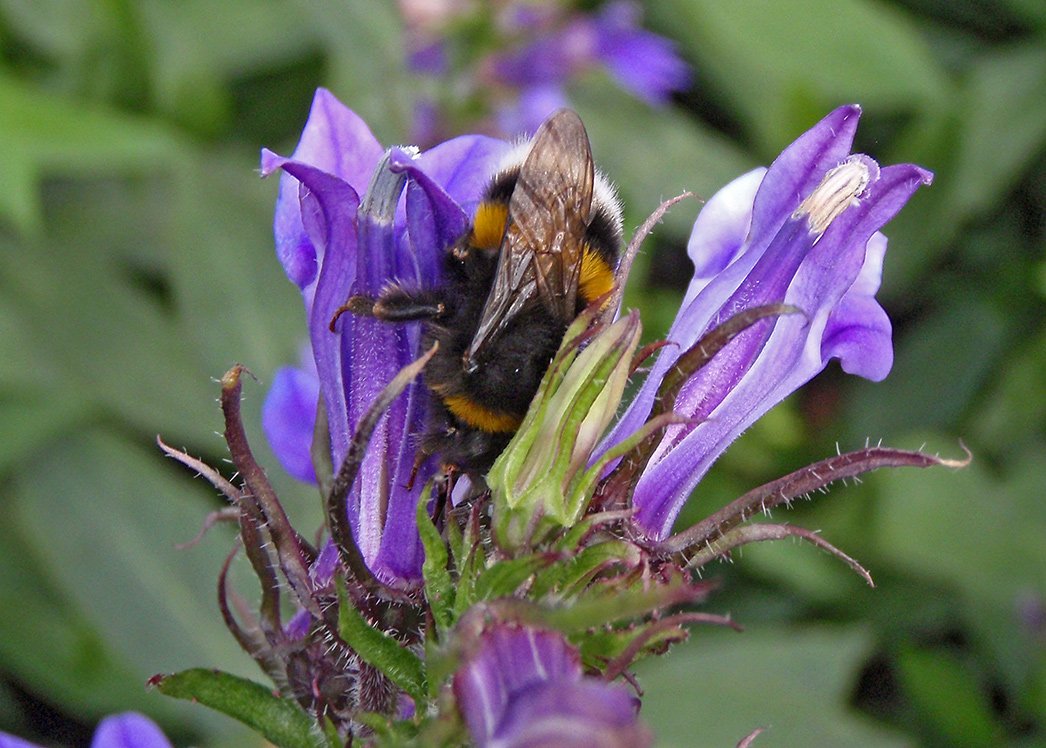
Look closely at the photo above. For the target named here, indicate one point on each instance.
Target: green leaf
(968, 335)
(944, 691)
(400, 665)
(100, 337)
(51, 648)
(470, 561)
(154, 605)
(980, 533)
(601, 607)
(47, 135)
(782, 65)
(1003, 127)
(30, 420)
(280, 721)
(439, 587)
(721, 685)
(222, 266)
(599, 647)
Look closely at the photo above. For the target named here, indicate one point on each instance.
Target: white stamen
(839, 189)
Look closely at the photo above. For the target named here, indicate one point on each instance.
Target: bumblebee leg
(359, 305)
(419, 459)
(402, 305)
(396, 304)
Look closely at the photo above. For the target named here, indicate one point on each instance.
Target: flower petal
(129, 730)
(858, 332)
(336, 141)
(586, 713)
(643, 62)
(523, 686)
(289, 419)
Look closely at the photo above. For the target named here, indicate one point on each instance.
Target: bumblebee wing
(550, 207)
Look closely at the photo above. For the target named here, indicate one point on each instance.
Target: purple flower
(645, 64)
(803, 232)
(523, 686)
(289, 419)
(642, 62)
(332, 246)
(126, 730)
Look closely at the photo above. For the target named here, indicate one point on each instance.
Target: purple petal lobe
(858, 332)
(523, 686)
(10, 741)
(800, 168)
(336, 141)
(289, 418)
(129, 730)
(586, 713)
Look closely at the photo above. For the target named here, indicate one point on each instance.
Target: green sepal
(387, 732)
(600, 607)
(504, 577)
(456, 544)
(599, 647)
(470, 561)
(378, 649)
(439, 586)
(541, 482)
(280, 721)
(571, 576)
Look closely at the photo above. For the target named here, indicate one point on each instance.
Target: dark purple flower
(126, 730)
(331, 247)
(803, 232)
(644, 63)
(523, 686)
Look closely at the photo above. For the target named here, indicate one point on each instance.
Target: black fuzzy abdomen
(506, 375)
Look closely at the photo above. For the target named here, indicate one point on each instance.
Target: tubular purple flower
(805, 233)
(523, 686)
(125, 730)
(333, 244)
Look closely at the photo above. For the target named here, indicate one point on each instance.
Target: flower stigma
(840, 188)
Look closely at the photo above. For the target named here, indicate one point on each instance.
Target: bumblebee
(544, 243)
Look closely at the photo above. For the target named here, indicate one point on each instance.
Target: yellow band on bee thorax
(596, 278)
(488, 227)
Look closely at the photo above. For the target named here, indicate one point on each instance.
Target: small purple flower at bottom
(126, 730)
(523, 686)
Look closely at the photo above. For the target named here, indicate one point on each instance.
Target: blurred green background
(136, 266)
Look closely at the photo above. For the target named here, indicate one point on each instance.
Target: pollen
(488, 228)
(840, 188)
(478, 416)
(597, 277)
